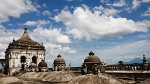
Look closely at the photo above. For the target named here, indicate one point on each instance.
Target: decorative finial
(58, 56)
(91, 53)
(25, 28)
(13, 39)
(144, 57)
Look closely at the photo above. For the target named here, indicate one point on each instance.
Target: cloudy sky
(113, 29)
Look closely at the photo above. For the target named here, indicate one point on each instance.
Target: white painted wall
(17, 53)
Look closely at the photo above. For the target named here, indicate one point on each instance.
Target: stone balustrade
(124, 67)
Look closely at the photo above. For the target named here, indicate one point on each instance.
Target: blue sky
(113, 29)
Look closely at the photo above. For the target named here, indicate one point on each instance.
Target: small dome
(42, 64)
(32, 65)
(92, 58)
(59, 60)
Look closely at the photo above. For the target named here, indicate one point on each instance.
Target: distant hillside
(136, 60)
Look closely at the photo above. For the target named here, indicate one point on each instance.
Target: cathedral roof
(25, 42)
(92, 58)
(25, 37)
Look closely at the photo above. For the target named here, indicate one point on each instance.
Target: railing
(124, 67)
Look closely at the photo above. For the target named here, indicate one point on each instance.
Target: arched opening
(34, 59)
(23, 60)
(1, 67)
(6, 69)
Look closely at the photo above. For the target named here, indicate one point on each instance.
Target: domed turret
(145, 63)
(59, 60)
(92, 64)
(32, 67)
(42, 66)
(59, 64)
(92, 58)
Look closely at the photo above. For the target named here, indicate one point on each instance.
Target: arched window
(23, 59)
(34, 59)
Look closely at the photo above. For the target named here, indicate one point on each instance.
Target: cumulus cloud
(55, 42)
(137, 3)
(35, 23)
(105, 11)
(52, 35)
(6, 36)
(53, 39)
(14, 8)
(83, 23)
(124, 51)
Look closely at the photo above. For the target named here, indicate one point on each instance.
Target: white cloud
(36, 23)
(6, 36)
(145, 1)
(119, 3)
(61, 50)
(53, 39)
(127, 5)
(146, 13)
(14, 8)
(83, 23)
(30, 23)
(63, 39)
(55, 42)
(46, 13)
(136, 4)
(51, 35)
(43, 22)
(124, 51)
(105, 11)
